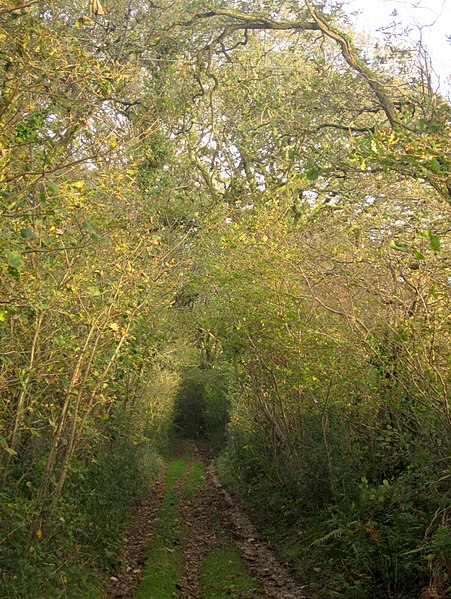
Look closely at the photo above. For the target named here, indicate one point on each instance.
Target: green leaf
(88, 227)
(93, 290)
(4, 445)
(312, 174)
(418, 255)
(27, 233)
(52, 186)
(388, 161)
(434, 242)
(433, 165)
(399, 246)
(14, 259)
(374, 147)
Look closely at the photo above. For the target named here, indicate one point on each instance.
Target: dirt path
(207, 521)
(135, 543)
(275, 577)
(200, 536)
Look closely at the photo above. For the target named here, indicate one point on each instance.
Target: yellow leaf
(95, 8)
(114, 327)
(39, 534)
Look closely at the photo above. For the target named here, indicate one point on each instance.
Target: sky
(432, 16)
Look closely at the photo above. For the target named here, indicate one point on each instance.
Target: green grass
(176, 470)
(195, 480)
(223, 576)
(163, 571)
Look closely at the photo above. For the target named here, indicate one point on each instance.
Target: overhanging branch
(357, 64)
(241, 20)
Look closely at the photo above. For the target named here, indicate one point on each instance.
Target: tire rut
(198, 515)
(276, 578)
(211, 519)
(195, 514)
(136, 542)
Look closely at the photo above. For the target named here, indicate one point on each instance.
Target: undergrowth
(375, 541)
(78, 540)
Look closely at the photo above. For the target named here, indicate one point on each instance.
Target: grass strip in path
(176, 471)
(224, 576)
(195, 480)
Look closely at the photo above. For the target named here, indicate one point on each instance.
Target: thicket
(218, 217)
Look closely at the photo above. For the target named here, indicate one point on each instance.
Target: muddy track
(275, 578)
(210, 518)
(200, 537)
